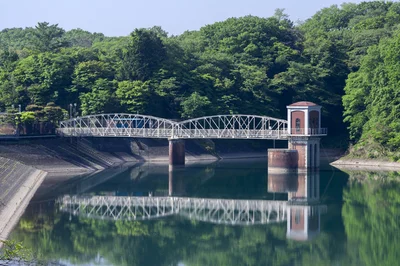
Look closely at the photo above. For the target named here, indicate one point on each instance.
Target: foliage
(28, 117)
(195, 106)
(100, 99)
(48, 37)
(135, 95)
(82, 38)
(12, 250)
(143, 55)
(372, 100)
(53, 113)
(247, 65)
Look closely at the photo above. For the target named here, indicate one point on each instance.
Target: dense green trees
(143, 56)
(48, 38)
(372, 100)
(241, 65)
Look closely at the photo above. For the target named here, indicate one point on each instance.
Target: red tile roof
(303, 104)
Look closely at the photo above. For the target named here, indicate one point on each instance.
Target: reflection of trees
(368, 236)
(166, 242)
(171, 240)
(371, 217)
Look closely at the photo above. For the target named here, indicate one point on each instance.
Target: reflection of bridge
(142, 126)
(301, 212)
(221, 211)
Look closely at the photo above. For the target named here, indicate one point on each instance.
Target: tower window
(297, 125)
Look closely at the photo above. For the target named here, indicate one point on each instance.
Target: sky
(120, 17)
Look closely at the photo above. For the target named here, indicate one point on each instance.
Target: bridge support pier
(303, 154)
(176, 152)
(282, 160)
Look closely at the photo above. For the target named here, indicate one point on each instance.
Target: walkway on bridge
(143, 126)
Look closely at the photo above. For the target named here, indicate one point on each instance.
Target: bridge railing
(221, 126)
(309, 131)
(116, 132)
(317, 131)
(175, 133)
(231, 133)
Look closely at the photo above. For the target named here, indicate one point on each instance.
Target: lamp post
(70, 110)
(74, 114)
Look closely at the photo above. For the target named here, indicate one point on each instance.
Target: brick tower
(304, 128)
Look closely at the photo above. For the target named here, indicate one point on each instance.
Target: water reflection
(361, 227)
(302, 210)
(304, 204)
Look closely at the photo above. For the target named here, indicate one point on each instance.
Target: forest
(345, 58)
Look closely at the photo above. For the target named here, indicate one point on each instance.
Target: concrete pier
(176, 152)
(282, 160)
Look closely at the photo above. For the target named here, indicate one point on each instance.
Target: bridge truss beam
(215, 127)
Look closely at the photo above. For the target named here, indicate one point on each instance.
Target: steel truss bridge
(219, 211)
(143, 126)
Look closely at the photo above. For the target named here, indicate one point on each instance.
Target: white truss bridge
(143, 126)
(219, 211)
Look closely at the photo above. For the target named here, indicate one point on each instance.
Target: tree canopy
(343, 58)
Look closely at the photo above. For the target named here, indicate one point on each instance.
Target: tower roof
(303, 103)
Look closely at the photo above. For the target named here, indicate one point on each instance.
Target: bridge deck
(211, 127)
(177, 134)
(142, 126)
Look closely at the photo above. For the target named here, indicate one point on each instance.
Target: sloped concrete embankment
(64, 156)
(25, 164)
(18, 184)
(63, 159)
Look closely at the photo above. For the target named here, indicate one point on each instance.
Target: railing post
(279, 129)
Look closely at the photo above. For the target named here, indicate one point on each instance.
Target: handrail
(308, 132)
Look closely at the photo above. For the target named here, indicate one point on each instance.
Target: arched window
(297, 125)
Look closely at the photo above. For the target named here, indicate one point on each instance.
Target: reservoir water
(223, 213)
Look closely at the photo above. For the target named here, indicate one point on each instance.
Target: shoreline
(365, 164)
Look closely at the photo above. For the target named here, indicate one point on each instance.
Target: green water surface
(337, 218)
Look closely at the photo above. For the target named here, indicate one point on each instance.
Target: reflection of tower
(303, 209)
(307, 188)
(303, 221)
